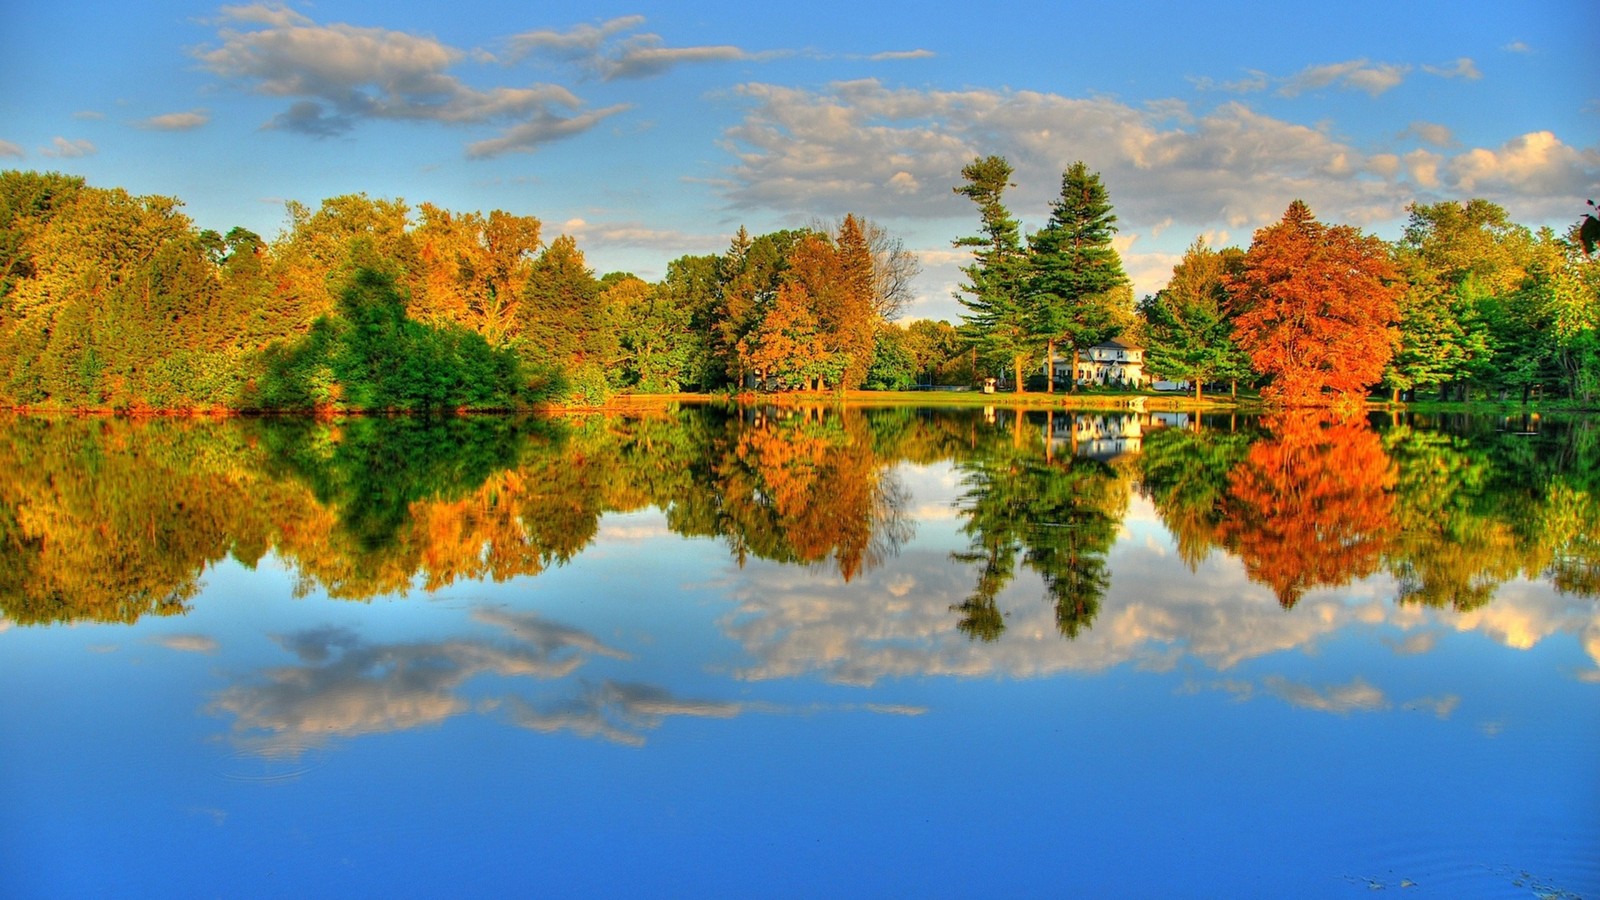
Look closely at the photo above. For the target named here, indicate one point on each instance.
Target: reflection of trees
(1184, 472)
(800, 486)
(1060, 515)
(1311, 505)
(111, 519)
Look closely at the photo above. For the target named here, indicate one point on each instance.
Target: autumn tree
(474, 269)
(1319, 308)
(1312, 505)
(1074, 270)
(998, 315)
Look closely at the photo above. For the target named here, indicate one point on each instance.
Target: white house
(1112, 362)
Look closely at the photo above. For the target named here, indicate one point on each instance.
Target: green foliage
(999, 318)
(893, 366)
(1074, 270)
(373, 357)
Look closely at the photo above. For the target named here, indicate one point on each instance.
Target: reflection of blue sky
(840, 737)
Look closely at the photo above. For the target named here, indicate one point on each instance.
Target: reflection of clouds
(189, 643)
(1415, 644)
(1357, 696)
(1439, 706)
(346, 687)
(616, 711)
(896, 621)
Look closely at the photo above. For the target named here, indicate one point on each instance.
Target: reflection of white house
(1101, 436)
(1106, 436)
(1112, 362)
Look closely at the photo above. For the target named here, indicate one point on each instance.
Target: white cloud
(1356, 74)
(863, 147)
(636, 234)
(1461, 68)
(540, 130)
(62, 148)
(888, 55)
(1537, 163)
(896, 153)
(339, 75)
(179, 121)
(603, 52)
(1517, 47)
(10, 150)
(1431, 133)
(577, 43)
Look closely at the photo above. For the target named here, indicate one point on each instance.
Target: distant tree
(1319, 307)
(893, 366)
(998, 316)
(1074, 269)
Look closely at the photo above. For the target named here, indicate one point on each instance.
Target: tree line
(1465, 303)
(114, 301)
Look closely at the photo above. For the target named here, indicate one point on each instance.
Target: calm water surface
(808, 652)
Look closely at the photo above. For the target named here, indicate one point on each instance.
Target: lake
(801, 652)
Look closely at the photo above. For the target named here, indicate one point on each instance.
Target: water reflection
(111, 520)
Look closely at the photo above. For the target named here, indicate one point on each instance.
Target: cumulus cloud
(888, 55)
(339, 75)
(62, 148)
(860, 146)
(1431, 133)
(1536, 163)
(178, 121)
(8, 149)
(865, 147)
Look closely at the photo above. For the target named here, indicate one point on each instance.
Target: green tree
(1074, 269)
(1189, 323)
(998, 317)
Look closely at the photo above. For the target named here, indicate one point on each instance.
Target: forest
(110, 301)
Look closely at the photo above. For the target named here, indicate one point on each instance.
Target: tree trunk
(1016, 371)
(1233, 387)
(1197, 390)
(1050, 366)
(1394, 395)
(1073, 376)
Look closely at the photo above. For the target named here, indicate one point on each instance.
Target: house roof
(1117, 344)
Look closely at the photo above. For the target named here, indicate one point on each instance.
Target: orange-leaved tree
(1320, 305)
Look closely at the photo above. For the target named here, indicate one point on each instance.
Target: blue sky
(650, 130)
